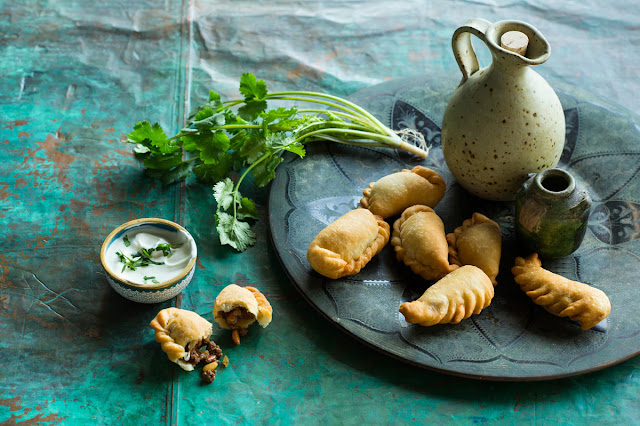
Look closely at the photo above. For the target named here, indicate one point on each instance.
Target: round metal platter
(512, 339)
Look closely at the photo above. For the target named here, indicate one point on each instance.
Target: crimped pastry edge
(426, 173)
(355, 265)
(416, 266)
(452, 238)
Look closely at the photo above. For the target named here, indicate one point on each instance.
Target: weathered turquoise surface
(76, 76)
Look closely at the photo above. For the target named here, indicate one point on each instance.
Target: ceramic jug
(503, 121)
(552, 213)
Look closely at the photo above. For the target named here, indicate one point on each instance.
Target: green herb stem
(388, 141)
(351, 105)
(329, 104)
(237, 186)
(342, 114)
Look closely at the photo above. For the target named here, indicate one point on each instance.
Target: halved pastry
(348, 244)
(464, 292)
(559, 295)
(392, 194)
(182, 334)
(477, 242)
(420, 242)
(236, 308)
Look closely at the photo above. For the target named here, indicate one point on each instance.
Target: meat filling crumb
(207, 351)
(209, 376)
(232, 317)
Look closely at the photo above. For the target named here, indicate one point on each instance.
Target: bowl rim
(160, 285)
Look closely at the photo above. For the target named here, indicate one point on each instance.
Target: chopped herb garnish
(151, 278)
(143, 257)
(126, 240)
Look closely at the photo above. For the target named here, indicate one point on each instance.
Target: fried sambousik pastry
(477, 242)
(392, 194)
(420, 242)
(236, 308)
(464, 292)
(348, 244)
(180, 333)
(559, 295)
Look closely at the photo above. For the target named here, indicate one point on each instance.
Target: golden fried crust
(420, 242)
(265, 311)
(231, 297)
(348, 244)
(392, 194)
(464, 292)
(177, 330)
(477, 242)
(559, 295)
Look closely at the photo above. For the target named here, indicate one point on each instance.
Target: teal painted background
(76, 76)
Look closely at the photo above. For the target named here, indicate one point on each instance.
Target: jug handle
(463, 49)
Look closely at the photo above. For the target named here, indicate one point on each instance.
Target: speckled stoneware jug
(552, 212)
(503, 121)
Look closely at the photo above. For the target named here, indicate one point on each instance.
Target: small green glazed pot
(551, 213)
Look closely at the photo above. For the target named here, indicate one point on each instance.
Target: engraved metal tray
(512, 339)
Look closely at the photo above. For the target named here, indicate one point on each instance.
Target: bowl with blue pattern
(151, 290)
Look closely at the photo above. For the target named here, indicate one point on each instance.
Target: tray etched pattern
(512, 339)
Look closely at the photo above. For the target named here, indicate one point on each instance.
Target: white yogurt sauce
(181, 254)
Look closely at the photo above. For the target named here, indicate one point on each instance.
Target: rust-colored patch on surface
(14, 403)
(106, 188)
(16, 123)
(24, 135)
(242, 280)
(110, 130)
(37, 420)
(51, 156)
(199, 265)
(4, 194)
(20, 183)
(4, 267)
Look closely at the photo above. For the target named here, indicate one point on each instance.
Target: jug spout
(537, 51)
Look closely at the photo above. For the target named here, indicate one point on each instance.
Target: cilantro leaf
(247, 209)
(281, 115)
(252, 88)
(207, 119)
(190, 142)
(223, 193)
(215, 103)
(252, 109)
(234, 232)
(162, 162)
(264, 172)
(297, 149)
(182, 171)
(212, 148)
(253, 148)
(212, 173)
(151, 136)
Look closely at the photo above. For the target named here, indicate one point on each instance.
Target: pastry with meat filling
(392, 194)
(464, 292)
(348, 244)
(420, 242)
(184, 336)
(559, 295)
(236, 308)
(477, 242)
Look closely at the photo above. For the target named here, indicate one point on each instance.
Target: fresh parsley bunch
(216, 141)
